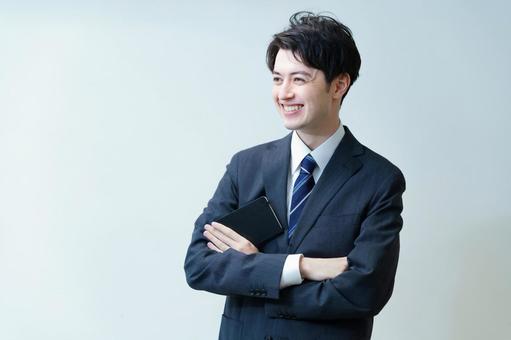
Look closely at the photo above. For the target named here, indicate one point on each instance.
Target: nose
(285, 91)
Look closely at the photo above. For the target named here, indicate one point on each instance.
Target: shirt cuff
(291, 272)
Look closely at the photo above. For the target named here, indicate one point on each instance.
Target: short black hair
(320, 42)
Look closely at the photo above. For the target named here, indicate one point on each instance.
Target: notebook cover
(256, 221)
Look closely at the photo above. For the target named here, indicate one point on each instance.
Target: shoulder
(258, 152)
(376, 169)
(380, 171)
(379, 163)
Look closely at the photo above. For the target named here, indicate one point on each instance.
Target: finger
(228, 231)
(221, 236)
(218, 243)
(213, 247)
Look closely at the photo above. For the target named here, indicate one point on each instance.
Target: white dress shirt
(322, 154)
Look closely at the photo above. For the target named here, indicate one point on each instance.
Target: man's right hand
(319, 269)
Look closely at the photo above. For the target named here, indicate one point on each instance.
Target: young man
(339, 202)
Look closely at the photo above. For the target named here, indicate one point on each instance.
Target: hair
(320, 42)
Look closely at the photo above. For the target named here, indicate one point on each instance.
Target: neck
(314, 139)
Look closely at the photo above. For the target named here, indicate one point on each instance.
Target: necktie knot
(308, 164)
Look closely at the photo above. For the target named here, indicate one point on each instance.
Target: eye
(298, 80)
(277, 80)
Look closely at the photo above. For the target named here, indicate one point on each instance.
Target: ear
(340, 85)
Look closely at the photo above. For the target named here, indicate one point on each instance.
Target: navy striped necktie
(301, 191)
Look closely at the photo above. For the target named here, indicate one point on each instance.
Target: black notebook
(255, 221)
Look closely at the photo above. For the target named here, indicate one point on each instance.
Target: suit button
(268, 337)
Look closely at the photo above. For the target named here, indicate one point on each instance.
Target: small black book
(256, 221)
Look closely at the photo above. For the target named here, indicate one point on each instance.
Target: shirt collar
(321, 154)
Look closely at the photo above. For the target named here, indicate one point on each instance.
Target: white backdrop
(117, 120)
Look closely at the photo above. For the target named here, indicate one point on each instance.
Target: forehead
(286, 62)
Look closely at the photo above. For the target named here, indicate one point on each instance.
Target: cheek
(275, 101)
(274, 91)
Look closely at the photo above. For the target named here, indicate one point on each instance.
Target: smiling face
(304, 100)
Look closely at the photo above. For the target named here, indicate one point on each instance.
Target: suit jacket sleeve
(231, 272)
(367, 285)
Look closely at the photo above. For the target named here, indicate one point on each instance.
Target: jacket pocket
(335, 221)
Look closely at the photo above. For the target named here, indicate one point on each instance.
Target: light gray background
(117, 120)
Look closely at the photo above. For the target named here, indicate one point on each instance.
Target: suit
(354, 210)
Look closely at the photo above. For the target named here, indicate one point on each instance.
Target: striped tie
(301, 191)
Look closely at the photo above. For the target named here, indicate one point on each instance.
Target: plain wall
(117, 120)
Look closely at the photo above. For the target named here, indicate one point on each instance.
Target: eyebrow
(304, 73)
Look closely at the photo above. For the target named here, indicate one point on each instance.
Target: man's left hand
(222, 238)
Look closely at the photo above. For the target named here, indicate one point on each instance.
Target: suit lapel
(275, 172)
(339, 169)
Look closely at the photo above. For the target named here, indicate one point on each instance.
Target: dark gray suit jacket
(354, 210)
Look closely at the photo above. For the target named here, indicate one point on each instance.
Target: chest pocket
(332, 236)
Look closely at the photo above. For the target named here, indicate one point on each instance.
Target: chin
(292, 127)
(292, 124)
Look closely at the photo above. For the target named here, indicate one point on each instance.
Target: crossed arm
(222, 262)
(221, 238)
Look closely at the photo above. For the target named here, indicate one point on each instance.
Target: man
(339, 202)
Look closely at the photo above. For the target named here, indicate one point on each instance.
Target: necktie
(301, 191)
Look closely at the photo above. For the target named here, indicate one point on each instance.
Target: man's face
(302, 96)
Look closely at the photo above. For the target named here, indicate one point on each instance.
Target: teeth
(292, 108)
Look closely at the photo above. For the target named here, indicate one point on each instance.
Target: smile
(291, 108)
